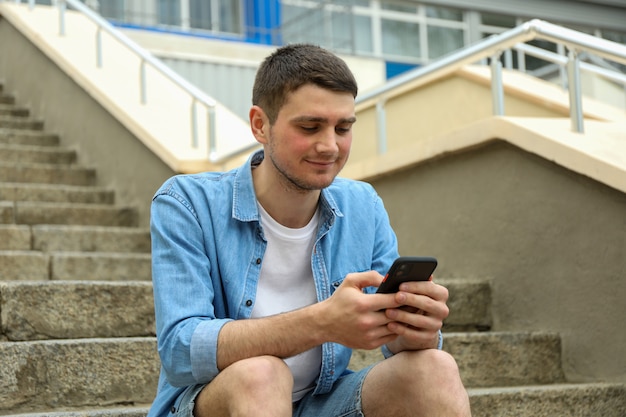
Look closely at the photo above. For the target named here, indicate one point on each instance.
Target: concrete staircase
(76, 314)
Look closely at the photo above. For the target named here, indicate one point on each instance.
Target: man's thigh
(343, 401)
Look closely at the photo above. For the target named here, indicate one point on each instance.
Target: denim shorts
(188, 400)
(343, 401)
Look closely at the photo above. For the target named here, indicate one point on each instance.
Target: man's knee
(430, 365)
(262, 372)
(247, 385)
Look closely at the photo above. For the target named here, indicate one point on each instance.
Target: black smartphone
(407, 268)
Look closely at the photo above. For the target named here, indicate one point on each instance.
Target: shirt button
(173, 410)
(248, 303)
(258, 261)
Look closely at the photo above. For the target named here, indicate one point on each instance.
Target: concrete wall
(417, 113)
(122, 161)
(552, 242)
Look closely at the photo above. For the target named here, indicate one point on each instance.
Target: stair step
(74, 266)
(76, 309)
(36, 154)
(28, 137)
(17, 191)
(91, 239)
(7, 99)
(506, 358)
(46, 174)
(78, 373)
(54, 238)
(7, 212)
(28, 212)
(24, 266)
(563, 400)
(129, 411)
(101, 266)
(13, 110)
(495, 358)
(470, 305)
(15, 237)
(9, 122)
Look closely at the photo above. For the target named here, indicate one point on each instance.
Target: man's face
(309, 142)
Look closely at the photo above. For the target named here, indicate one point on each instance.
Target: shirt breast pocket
(337, 280)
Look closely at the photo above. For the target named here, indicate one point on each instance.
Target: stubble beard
(291, 182)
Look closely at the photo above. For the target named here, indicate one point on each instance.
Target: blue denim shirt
(207, 250)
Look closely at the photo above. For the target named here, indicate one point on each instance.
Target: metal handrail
(198, 97)
(493, 47)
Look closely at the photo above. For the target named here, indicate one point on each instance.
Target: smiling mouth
(322, 164)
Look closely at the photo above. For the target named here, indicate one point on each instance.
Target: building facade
(403, 33)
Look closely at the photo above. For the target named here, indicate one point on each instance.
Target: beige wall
(418, 113)
(552, 242)
(121, 160)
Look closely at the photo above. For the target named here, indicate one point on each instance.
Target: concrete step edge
(559, 400)
(77, 373)
(76, 309)
(113, 411)
(566, 386)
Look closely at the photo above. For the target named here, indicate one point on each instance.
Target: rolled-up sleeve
(187, 328)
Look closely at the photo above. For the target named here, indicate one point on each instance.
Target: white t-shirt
(285, 284)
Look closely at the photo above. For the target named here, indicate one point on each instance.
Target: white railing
(495, 46)
(200, 101)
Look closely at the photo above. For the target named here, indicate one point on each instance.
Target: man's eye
(309, 128)
(343, 130)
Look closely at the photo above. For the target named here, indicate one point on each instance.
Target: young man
(263, 275)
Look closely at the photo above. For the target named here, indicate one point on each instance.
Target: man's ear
(259, 123)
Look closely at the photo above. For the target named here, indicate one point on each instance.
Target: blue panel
(262, 20)
(396, 68)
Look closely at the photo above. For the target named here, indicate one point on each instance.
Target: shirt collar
(244, 198)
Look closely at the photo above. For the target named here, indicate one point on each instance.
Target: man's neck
(289, 207)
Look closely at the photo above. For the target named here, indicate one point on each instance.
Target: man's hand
(358, 320)
(418, 322)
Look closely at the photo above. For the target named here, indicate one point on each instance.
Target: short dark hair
(292, 66)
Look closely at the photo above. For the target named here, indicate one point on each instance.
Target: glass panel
(444, 13)
(619, 37)
(443, 40)
(200, 14)
(351, 33)
(343, 28)
(399, 7)
(615, 36)
(364, 39)
(230, 16)
(401, 38)
(301, 24)
(112, 9)
(364, 3)
(533, 63)
(169, 12)
(498, 20)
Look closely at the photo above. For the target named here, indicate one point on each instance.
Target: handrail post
(497, 90)
(381, 126)
(212, 133)
(99, 47)
(142, 81)
(62, 8)
(194, 124)
(575, 96)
